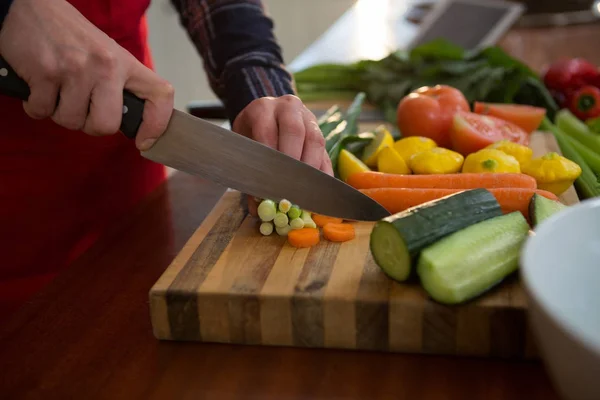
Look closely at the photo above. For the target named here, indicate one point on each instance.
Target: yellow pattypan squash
(522, 153)
(409, 146)
(436, 161)
(553, 172)
(390, 162)
(490, 160)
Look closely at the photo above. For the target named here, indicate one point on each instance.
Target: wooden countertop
(88, 335)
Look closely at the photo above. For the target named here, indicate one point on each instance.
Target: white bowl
(560, 268)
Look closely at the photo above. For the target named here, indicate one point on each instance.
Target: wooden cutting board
(230, 284)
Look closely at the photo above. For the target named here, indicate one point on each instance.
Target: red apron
(60, 189)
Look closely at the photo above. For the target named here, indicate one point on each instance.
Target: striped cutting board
(229, 284)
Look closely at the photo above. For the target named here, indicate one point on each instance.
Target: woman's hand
(57, 51)
(285, 124)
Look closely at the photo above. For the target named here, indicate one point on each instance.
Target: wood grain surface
(230, 284)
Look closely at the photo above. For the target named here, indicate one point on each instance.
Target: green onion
(266, 228)
(267, 210)
(572, 126)
(281, 219)
(297, 223)
(308, 221)
(587, 183)
(283, 230)
(285, 205)
(294, 212)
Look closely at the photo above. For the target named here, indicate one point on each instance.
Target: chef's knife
(199, 147)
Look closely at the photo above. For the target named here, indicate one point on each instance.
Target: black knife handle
(133, 107)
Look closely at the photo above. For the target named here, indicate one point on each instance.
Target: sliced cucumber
(473, 260)
(397, 240)
(541, 207)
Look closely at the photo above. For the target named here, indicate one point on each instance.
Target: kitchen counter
(88, 334)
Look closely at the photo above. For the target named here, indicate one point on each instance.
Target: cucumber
(541, 208)
(471, 261)
(397, 240)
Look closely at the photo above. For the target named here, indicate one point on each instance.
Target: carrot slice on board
(338, 232)
(305, 237)
(322, 220)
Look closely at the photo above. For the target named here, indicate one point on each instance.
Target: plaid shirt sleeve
(241, 56)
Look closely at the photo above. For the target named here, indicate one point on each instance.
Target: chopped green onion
(297, 223)
(283, 231)
(294, 212)
(308, 221)
(281, 219)
(266, 228)
(266, 210)
(285, 205)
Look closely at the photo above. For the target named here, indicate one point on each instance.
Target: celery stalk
(575, 128)
(590, 157)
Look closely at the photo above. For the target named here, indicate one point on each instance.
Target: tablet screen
(464, 24)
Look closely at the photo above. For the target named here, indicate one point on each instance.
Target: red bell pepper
(564, 77)
(585, 103)
(571, 74)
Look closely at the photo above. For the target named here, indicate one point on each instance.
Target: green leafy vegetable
(488, 75)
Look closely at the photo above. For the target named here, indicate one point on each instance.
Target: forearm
(241, 57)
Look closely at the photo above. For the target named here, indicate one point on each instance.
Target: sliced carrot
(372, 179)
(338, 232)
(305, 237)
(400, 199)
(322, 220)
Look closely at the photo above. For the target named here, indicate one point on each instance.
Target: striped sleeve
(241, 56)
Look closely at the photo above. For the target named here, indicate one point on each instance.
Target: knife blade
(202, 148)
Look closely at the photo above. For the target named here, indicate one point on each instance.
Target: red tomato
(428, 112)
(472, 132)
(525, 117)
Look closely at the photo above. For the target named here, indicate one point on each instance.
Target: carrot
(372, 179)
(322, 220)
(305, 237)
(400, 199)
(338, 232)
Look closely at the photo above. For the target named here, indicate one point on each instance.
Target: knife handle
(133, 107)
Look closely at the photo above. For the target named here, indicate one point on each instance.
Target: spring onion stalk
(294, 212)
(590, 157)
(267, 210)
(285, 205)
(587, 183)
(281, 219)
(266, 228)
(283, 231)
(308, 221)
(572, 126)
(297, 223)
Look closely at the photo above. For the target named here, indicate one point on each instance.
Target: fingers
(72, 109)
(106, 109)
(326, 163)
(314, 142)
(292, 130)
(257, 122)
(159, 97)
(42, 99)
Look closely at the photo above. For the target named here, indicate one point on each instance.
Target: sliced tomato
(526, 117)
(471, 132)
